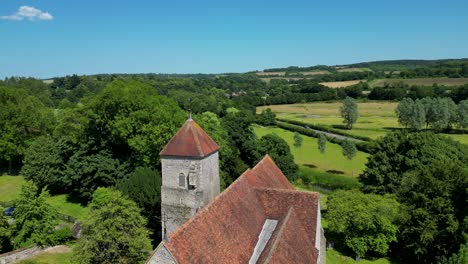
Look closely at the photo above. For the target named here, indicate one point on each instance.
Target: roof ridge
(296, 191)
(195, 137)
(190, 141)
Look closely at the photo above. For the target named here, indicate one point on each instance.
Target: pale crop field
(341, 84)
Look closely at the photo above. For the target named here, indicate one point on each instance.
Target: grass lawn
(376, 118)
(50, 258)
(65, 207)
(10, 187)
(308, 153)
(335, 257)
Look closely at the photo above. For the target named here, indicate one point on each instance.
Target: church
(259, 218)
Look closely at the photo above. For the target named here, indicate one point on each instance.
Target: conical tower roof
(190, 141)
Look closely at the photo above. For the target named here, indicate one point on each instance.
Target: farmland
(341, 84)
(375, 118)
(421, 81)
(309, 155)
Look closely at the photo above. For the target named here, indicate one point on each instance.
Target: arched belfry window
(181, 180)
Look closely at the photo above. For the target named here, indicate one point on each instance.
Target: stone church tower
(190, 175)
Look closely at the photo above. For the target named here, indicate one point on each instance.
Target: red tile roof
(190, 141)
(227, 230)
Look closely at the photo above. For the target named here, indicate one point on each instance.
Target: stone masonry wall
(179, 203)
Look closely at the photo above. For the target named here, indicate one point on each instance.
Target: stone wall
(161, 256)
(20, 254)
(200, 185)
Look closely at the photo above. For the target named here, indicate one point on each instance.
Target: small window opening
(191, 181)
(181, 180)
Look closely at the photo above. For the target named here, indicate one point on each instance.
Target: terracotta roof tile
(190, 141)
(267, 175)
(227, 230)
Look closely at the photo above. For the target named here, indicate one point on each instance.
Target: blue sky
(48, 38)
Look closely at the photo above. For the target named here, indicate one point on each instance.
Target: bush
(367, 147)
(328, 180)
(324, 128)
(60, 236)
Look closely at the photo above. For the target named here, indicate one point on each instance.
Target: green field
(421, 81)
(308, 153)
(376, 118)
(335, 257)
(50, 258)
(10, 188)
(66, 207)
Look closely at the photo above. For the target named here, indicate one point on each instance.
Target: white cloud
(29, 13)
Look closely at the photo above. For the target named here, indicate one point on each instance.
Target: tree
(297, 140)
(87, 171)
(278, 149)
(349, 149)
(363, 222)
(267, 117)
(231, 166)
(238, 127)
(45, 163)
(322, 143)
(427, 173)
(114, 232)
(404, 111)
(34, 218)
(462, 114)
(349, 112)
(143, 186)
(461, 257)
(130, 119)
(22, 117)
(4, 232)
(440, 112)
(417, 117)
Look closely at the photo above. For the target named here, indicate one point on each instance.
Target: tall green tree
(143, 186)
(363, 222)
(132, 121)
(278, 149)
(349, 112)
(322, 143)
(297, 140)
(230, 164)
(428, 175)
(462, 114)
(22, 117)
(4, 232)
(267, 117)
(34, 218)
(114, 232)
(238, 127)
(404, 111)
(418, 115)
(349, 149)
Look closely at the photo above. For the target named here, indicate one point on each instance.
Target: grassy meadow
(421, 81)
(50, 258)
(376, 118)
(10, 188)
(309, 155)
